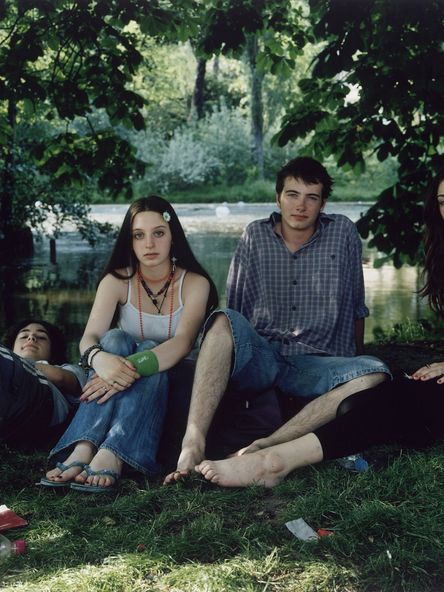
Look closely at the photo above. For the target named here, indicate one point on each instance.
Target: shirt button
(294, 282)
(295, 256)
(293, 308)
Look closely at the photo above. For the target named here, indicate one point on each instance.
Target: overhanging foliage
(376, 86)
(61, 60)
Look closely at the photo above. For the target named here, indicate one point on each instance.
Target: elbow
(186, 345)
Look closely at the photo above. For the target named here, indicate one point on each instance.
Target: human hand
(113, 373)
(96, 389)
(430, 371)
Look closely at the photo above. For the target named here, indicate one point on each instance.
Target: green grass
(409, 331)
(387, 527)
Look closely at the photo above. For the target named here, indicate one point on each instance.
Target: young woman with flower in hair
(160, 295)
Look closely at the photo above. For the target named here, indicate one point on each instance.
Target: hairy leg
(265, 467)
(83, 452)
(316, 413)
(210, 382)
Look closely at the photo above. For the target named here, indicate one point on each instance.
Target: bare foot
(259, 468)
(82, 453)
(104, 460)
(188, 459)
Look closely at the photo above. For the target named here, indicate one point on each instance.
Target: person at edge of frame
(39, 390)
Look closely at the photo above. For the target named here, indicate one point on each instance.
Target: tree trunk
(216, 67)
(197, 104)
(7, 190)
(14, 240)
(256, 106)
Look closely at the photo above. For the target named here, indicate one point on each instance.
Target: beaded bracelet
(84, 362)
(91, 357)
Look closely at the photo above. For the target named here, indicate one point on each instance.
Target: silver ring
(104, 389)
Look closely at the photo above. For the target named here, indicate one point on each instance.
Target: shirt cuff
(361, 312)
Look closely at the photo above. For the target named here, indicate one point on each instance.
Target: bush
(215, 150)
(226, 136)
(186, 161)
(210, 151)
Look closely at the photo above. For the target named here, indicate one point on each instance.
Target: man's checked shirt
(308, 300)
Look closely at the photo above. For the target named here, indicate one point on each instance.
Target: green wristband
(145, 362)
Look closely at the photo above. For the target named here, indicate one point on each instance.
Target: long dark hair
(434, 247)
(58, 352)
(123, 256)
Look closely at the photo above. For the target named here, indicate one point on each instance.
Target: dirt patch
(407, 357)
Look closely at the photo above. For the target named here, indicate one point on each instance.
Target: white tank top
(155, 326)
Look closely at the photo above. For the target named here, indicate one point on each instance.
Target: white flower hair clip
(166, 216)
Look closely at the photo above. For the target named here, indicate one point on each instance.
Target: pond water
(63, 292)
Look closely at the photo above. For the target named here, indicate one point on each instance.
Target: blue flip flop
(60, 484)
(96, 488)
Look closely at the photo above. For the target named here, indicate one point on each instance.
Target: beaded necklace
(153, 298)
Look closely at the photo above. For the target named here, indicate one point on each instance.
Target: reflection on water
(63, 292)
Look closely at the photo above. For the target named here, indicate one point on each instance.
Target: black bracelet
(84, 358)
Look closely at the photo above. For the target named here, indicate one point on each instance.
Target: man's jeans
(258, 365)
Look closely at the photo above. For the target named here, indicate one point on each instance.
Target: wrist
(93, 356)
(145, 362)
(88, 354)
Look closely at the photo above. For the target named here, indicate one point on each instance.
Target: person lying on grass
(161, 295)
(39, 389)
(406, 411)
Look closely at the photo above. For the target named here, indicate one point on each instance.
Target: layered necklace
(157, 298)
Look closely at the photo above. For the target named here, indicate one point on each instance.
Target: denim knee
(118, 342)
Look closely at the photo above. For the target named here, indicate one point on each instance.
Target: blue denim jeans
(129, 423)
(258, 365)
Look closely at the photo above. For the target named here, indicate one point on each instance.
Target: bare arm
(113, 369)
(358, 290)
(63, 379)
(195, 293)
(110, 292)
(359, 336)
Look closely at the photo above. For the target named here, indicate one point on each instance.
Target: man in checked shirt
(295, 316)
